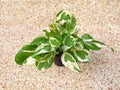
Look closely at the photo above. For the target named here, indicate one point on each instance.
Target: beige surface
(23, 20)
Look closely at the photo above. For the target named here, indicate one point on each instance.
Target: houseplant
(60, 42)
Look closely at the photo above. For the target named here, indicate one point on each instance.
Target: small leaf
(112, 49)
(62, 16)
(46, 33)
(59, 13)
(24, 53)
(69, 61)
(54, 42)
(87, 37)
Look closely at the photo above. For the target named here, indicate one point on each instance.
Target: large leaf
(54, 42)
(68, 42)
(24, 53)
(82, 55)
(69, 61)
(44, 61)
(39, 40)
(91, 43)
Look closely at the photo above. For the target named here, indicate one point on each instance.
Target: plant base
(57, 60)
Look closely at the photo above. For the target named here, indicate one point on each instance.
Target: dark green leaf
(24, 53)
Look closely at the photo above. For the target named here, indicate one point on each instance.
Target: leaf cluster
(61, 38)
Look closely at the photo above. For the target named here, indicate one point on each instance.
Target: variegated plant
(62, 37)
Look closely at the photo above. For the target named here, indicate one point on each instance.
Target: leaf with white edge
(43, 48)
(63, 15)
(54, 42)
(30, 60)
(82, 55)
(69, 61)
(91, 43)
(68, 42)
(24, 53)
(39, 40)
(47, 34)
(79, 44)
(71, 25)
(46, 62)
(99, 44)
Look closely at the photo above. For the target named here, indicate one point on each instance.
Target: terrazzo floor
(23, 20)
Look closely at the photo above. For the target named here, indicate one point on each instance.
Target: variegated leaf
(45, 62)
(69, 61)
(82, 55)
(24, 53)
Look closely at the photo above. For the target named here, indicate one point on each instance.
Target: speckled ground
(23, 20)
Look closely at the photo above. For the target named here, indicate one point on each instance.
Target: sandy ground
(23, 20)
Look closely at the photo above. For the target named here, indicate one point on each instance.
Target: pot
(57, 60)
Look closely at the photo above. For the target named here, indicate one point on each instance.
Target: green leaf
(87, 37)
(112, 49)
(45, 62)
(92, 46)
(82, 55)
(59, 13)
(79, 44)
(43, 48)
(62, 16)
(69, 61)
(99, 44)
(39, 40)
(68, 42)
(54, 42)
(91, 43)
(71, 25)
(24, 53)
(46, 33)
